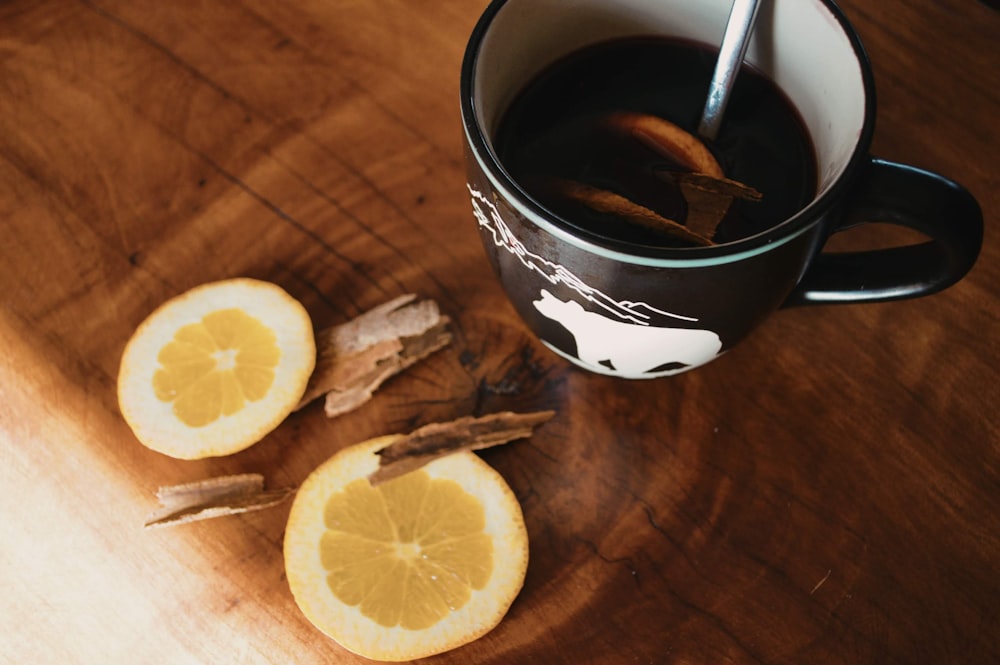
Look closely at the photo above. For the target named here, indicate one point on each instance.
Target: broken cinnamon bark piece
(353, 359)
(708, 193)
(720, 186)
(709, 198)
(215, 497)
(667, 139)
(430, 442)
(604, 201)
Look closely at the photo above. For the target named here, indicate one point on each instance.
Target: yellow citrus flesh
(415, 566)
(215, 369)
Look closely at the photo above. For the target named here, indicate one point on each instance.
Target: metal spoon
(734, 47)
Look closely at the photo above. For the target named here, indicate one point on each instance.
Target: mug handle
(905, 196)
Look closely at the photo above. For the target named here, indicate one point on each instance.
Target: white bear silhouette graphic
(632, 350)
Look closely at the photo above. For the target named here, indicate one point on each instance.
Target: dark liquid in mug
(555, 129)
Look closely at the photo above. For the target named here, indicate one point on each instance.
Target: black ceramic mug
(642, 311)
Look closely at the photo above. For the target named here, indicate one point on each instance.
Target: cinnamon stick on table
(428, 443)
(353, 359)
(214, 497)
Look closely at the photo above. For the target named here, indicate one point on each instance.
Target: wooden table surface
(828, 492)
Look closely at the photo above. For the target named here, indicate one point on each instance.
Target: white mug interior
(799, 44)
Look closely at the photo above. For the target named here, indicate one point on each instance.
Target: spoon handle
(734, 47)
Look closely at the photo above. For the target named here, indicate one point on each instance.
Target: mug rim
(777, 235)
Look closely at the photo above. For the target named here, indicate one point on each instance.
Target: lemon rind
(345, 624)
(152, 420)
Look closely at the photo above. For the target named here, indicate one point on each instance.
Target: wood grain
(828, 492)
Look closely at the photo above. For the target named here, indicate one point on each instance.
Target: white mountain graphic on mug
(621, 338)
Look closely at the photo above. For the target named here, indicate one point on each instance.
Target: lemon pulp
(415, 566)
(407, 552)
(213, 367)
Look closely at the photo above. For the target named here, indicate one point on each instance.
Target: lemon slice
(213, 370)
(412, 567)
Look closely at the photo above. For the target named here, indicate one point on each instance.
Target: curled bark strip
(428, 443)
(720, 186)
(708, 198)
(667, 139)
(215, 497)
(355, 358)
(604, 201)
